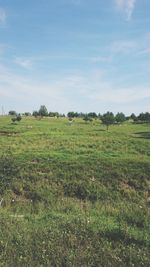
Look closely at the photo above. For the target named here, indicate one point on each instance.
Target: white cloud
(122, 95)
(134, 47)
(126, 6)
(2, 17)
(25, 93)
(91, 91)
(24, 62)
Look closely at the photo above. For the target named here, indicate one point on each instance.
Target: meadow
(75, 194)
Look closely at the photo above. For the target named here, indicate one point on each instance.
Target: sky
(75, 55)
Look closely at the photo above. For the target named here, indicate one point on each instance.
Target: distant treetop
(12, 112)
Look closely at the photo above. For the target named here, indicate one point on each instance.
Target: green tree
(108, 119)
(35, 113)
(144, 117)
(133, 117)
(72, 114)
(17, 118)
(87, 118)
(12, 112)
(27, 114)
(120, 117)
(43, 111)
(92, 115)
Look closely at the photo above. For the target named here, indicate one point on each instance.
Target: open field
(74, 195)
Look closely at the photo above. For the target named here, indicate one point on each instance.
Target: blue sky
(81, 55)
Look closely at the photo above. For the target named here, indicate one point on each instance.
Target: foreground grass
(74, 195)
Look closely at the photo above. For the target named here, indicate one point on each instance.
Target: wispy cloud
(122, 95)
(126, 6)
(24, 62)
(2, 17)
(75, 91)
(136, 46)
(123, 46)
(29, 62)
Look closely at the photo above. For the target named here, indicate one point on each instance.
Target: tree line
(107, 118)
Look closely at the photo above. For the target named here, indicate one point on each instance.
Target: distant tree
(92, 115)
(141, 117)
(35, 113)
(43, 111)
(86, 118)
(133, 117)
(54, 114)
(57, 115)
(81, 115)
(27, 114)
(51, 114)
(144, 117)
(108, 119)
(99, 116)
(12, 112)
(128, 118)
(120, 117)
(147, 117)
(72, 114)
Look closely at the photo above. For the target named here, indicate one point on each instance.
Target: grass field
(74, 195)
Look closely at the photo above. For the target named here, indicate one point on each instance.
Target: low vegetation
(74, 194)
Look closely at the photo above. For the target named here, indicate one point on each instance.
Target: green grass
(74, 195)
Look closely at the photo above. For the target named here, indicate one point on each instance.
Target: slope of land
(74, 195)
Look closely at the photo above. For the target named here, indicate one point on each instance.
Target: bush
(17, 118)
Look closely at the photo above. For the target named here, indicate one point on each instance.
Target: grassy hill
(74, 195)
